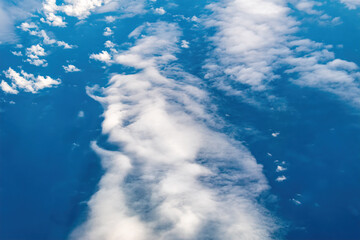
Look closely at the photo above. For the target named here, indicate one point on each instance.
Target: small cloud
(109, 44)
(194, 19)
(81, 114)
(275, 134)
(110, 19)
(34, 53)
(25, 26)
(17, 53)
(296, 202)
(160, 11)
(19, 46)
(108, 32)
(104, 56)
(185, 44)
(281, 178)
(71, 68)
(280, 169)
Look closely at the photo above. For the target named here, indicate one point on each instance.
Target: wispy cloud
(175, 177)
(351, 4)
(256, 39)
(33, 29)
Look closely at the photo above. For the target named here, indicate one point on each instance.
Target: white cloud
(104, 56)
(71, 68)
(251, 37)
(7, 88)
(33, 29)
(34, 53)
(254, 39)
(351, 4)
(280, 169)
(81, 9)
(109, 44)
(185, 44)
(160, 11)
(281, 178)
(26, 82)
(163, 130)
(108, 32)
(110, 19)
(10, 13)
(17, 53)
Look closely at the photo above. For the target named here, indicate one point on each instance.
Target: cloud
(108, 32)
(26, 82)
(10, 13)
(185, 44)
(109, 44)
(7, 88)
(33, 29)
(71, 68)
(82, 9)
(255, 40)
(175, 177)
(160, 11)
(351, 4)
(281, 178)
(104, 56)
(34, 53)
(17, 53)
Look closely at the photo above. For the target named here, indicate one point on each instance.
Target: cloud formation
(34, 54)
(26, 82)
(33, 29)
(82, 9)
(256, 39)
(71, 68)
(175, 177)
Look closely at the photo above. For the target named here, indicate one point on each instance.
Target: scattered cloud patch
(104, 56)
(26, 82)
(33, 29)
(351, 4)
(185, 44)
(281, 178)
(108, 32)
(71, 68)
(34, 54)
(160, 11)
(17, 53)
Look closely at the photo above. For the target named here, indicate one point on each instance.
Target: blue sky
(227, 119)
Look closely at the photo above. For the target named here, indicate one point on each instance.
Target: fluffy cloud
(160, 11)
(81, 9)
(251, 36)
(34, 53)
(26, 82)
(71, 68)
(175, 176)
(104, 56)
(108, 32)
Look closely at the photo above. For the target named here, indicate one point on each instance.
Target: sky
(179, 120)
